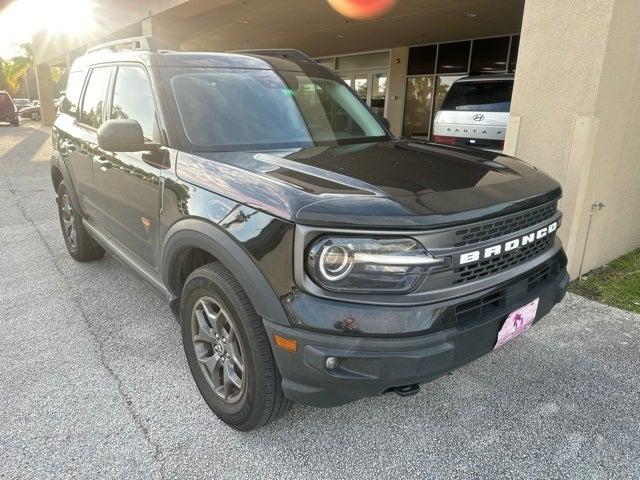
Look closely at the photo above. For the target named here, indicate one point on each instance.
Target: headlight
(358, 264)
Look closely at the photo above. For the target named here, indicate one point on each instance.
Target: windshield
(229, 109)
(477, 96)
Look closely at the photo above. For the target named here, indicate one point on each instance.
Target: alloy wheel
(217, 348)
(68, 220)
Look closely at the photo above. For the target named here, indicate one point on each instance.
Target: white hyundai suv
(474, 112)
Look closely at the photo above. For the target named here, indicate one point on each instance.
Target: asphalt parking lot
(93, 382)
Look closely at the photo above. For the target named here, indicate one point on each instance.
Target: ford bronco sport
(309, 255)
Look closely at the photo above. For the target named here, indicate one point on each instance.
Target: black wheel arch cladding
(194, 233)
(58, 166)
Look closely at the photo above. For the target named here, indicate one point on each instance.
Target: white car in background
(474, 112)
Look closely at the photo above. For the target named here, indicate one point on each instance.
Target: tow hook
(407, 390)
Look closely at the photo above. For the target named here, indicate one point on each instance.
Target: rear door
(127, 183)
(81, 146)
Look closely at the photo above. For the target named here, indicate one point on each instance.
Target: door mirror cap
(123, 136)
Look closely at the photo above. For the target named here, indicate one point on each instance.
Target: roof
(143, 49)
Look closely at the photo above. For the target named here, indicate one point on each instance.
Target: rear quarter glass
(489, 96)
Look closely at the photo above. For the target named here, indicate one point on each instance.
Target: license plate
(518, 321)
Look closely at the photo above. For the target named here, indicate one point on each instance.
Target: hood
(395, 184)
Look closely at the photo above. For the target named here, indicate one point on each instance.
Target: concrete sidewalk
(93, 382)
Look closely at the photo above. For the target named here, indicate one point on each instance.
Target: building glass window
(453, 57)
(366, 60)
(418, 104)
(489, 55)
(94, 96)
(378, 93)
(422, 60)
(361, 85)
(513, 55)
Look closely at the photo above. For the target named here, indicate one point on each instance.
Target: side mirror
(123, 136)
(385, 122)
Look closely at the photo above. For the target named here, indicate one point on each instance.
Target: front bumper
(369, 366)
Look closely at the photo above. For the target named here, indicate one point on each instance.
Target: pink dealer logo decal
(519, 321)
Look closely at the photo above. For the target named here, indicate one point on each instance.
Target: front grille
(478, 308)
(504, 225)
(495, 265)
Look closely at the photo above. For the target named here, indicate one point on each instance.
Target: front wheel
(35, 116)
(228, 350)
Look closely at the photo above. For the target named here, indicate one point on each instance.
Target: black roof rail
(286, 53)
(134, 43)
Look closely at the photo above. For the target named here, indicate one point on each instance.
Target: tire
(15, 123)
(35, 116)
(258, 399)
(79, 243)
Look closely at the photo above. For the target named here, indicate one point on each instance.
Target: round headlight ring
(335, 262)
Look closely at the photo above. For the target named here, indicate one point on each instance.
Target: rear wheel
(79, 243)
(35, 116)
(228, 350)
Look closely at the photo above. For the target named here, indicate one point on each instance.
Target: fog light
(331, 363)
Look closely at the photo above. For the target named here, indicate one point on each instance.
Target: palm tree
(15, 70)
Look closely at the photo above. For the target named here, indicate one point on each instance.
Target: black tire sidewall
(86, 248)
(250, 404)
(73, 251)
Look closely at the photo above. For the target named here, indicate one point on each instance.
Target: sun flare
(66, 16)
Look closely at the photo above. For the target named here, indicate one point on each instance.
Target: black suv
(310, 256)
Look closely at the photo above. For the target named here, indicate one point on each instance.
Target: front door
(81, 145)
(127, 183)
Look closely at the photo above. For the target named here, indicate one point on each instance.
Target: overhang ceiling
(313, 26)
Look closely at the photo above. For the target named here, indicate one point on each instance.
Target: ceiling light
(471, 15)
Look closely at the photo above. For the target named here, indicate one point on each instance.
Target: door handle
(103, 162)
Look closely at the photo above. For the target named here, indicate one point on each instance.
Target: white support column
(575, 113)
(45, 94)
(398, 58)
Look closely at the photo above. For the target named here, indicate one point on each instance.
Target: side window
(72, 93)
(133, 98)
(94, 95)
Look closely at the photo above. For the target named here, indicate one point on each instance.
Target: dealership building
(575, 110)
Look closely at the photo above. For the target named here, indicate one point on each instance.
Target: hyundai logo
(478, 117)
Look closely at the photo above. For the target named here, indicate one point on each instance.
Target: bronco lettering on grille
(495, 250)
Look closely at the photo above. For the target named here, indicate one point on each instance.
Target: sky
(22, 18)
(14, 21)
